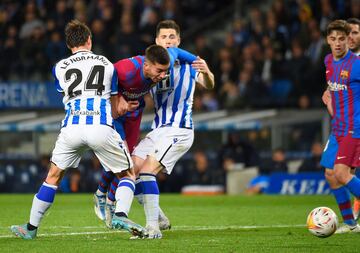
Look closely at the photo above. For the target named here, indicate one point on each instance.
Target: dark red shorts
(132, 131)
(348, 151)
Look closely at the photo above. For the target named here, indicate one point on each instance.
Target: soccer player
(87, 81)
(342, 151)
(172, 129)
(354, 46)
(136, 75)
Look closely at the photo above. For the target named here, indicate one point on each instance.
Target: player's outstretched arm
(180, 54)
(206, 77)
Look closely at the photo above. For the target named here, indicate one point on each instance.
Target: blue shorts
(329, 153)
(119, 126)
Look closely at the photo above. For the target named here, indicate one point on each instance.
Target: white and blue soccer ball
(322, 222)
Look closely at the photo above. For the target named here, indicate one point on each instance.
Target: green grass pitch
(200, 224)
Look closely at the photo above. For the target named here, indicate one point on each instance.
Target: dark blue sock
(354, 186)
(106, 178)
(343, 200)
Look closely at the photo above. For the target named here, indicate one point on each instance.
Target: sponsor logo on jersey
(85, 112)
(334, 86)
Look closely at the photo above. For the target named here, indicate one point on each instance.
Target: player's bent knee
(126, 173)
(331, 179)
(341, 176)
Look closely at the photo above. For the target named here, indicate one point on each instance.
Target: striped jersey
(343, 79)
(87, 81)
(133, 85)
(173, 98)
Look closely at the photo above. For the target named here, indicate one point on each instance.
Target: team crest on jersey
(344, 74)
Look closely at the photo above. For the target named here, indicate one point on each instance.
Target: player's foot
(109, 213)
(23, 232)
(164, 222)
(99, 206)
(345, 228)
(356, 208)
(130, 226)
(153, 233)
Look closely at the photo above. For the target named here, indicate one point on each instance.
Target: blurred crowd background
(264, 54)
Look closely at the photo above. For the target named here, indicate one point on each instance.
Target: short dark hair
(157, 54)
(76, 34)
(338, 25)
(167, 24)
(354, 21)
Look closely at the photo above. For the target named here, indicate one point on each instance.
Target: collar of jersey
(82, 51)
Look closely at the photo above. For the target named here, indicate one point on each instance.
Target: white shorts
(167, 144)
(106, 143)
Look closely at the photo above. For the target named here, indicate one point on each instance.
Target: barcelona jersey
(343, 80)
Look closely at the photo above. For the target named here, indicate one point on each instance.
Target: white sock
(140, 199)
(124, 195)
(151, 200)
(41, 203)
(38, 210)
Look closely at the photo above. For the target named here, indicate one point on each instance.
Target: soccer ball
(322, 222)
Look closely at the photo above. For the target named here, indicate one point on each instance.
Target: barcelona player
(354, 46)
(342, 151)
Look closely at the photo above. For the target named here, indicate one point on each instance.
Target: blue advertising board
(29, 95)
(301, 183)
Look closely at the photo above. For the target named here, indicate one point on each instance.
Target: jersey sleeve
(180, 54)
(114, 83)
(356, 70)
(56, 80)
(125, 71)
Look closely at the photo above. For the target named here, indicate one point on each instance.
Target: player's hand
(132, 105)
(326, 97)
(200, 65)
(122, 107)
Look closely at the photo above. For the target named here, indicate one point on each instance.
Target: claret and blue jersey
(343, 79)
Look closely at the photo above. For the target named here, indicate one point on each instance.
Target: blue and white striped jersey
(173, 98)
(87, 81)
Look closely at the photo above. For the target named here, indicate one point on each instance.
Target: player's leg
(150, 192)
(108, 178)
(110, 202)
(343, 200)
(64, 156)
(100, 195)
(42, 201)
(348, 157)
(145, 147)
(339, 179)
(170, 144)
(113, 154)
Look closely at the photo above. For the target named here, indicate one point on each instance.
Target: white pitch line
(176, 228)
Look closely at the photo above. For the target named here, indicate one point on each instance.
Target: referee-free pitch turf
(199, 224)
